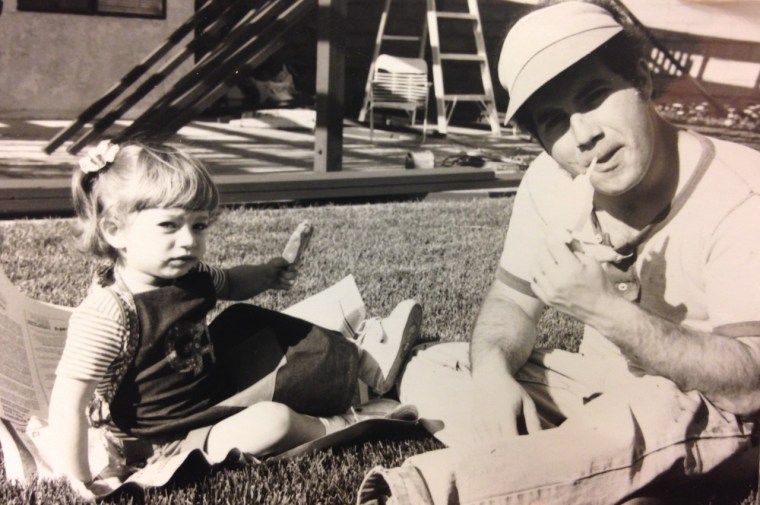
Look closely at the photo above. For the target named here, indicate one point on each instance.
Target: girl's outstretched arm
(247, 281)
(68, 427)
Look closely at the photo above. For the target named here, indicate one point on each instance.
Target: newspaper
(32, 336)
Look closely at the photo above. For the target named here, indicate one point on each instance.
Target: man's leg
(638, 430)
(437, 381)
(634, 434)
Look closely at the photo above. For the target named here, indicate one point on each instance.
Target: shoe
(388, 342)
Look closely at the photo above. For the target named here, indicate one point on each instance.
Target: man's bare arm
(505, 330)
(725, 369)
(501, 343)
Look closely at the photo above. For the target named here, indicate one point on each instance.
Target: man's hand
(570, 282)
(501, 408)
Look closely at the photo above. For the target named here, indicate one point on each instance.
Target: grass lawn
(442, 253)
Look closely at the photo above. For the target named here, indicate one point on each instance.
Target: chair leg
(371, 122)
(424, 118)
(424, 124)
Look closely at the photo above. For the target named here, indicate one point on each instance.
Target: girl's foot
(387, 344)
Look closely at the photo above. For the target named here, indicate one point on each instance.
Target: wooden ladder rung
(457, 15)
(402, 38)
(465, 97)
(462, 57)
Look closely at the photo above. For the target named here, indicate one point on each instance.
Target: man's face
(591, 112)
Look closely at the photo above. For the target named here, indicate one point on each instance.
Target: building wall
(55, 65)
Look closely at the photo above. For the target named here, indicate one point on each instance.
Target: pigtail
(86, 197)
(86, 208)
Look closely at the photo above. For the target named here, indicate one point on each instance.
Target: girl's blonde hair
(141, 176)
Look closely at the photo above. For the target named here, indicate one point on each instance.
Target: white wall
(735, 20)
(52, 66)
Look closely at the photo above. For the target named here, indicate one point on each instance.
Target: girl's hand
(102, 487)
(280, 273)
(97, 488)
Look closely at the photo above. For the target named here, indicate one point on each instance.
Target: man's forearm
(724, 369)
(503, 333)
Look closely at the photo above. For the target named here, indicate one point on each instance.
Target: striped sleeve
(218, 276)
(94, 339)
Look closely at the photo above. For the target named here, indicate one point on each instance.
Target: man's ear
(644, 79)
(113, 234)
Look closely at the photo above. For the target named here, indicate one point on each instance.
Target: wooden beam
(331, 56)
(53, 196)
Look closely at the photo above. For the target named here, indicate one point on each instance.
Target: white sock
(369, 371)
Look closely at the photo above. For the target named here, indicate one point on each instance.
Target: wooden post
(331, 51)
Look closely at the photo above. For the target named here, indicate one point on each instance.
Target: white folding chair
(401, 84)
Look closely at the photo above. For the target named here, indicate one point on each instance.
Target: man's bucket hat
(548, 41)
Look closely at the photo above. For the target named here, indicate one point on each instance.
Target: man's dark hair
(621, 54)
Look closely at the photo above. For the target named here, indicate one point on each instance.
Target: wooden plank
(52, 196)
(330, 84)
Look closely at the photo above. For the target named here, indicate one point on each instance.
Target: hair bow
(98, 157)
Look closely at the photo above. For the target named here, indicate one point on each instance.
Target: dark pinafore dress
(184, 375)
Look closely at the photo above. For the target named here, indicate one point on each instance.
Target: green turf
(442, 253)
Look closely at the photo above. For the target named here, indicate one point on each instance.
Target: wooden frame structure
(259, 28)
(258, 31)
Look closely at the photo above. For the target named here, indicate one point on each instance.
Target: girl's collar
(110, 274)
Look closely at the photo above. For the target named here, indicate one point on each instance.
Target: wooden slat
(258, 49)
(457, 15)
(198, 21)
(465, 97)
(259, 40)
(150, 83)
(462, 57)
(192, 83)
(402, 38)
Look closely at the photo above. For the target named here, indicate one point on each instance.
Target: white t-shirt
(699, 266)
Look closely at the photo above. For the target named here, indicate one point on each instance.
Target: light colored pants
(617, 430)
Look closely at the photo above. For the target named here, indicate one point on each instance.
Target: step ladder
(445, 102)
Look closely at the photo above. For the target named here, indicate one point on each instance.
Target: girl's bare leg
(261, 429)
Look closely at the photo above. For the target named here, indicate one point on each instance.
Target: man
(647, 234)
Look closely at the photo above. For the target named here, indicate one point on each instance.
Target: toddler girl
(140, 360)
